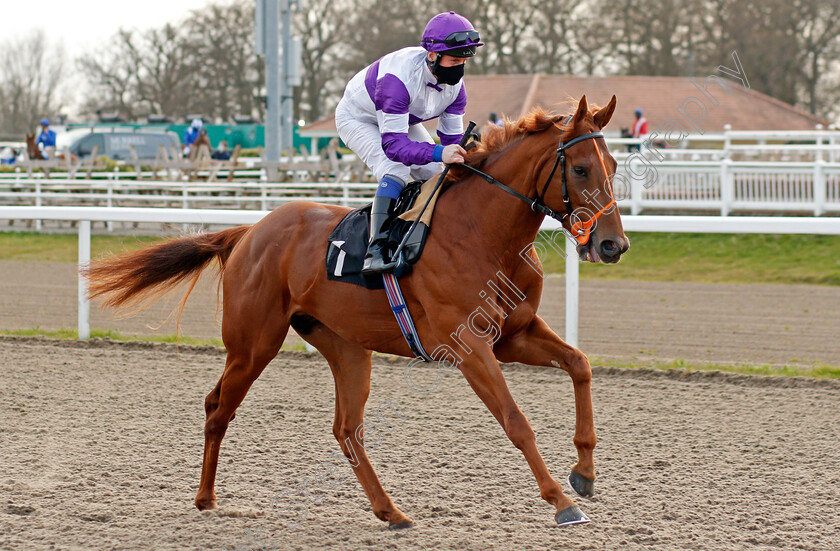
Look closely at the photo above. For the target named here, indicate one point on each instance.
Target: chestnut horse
(274, 276)
(35, 154)
(32, 150)
(201, 140)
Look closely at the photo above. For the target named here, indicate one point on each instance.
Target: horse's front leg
(482, 371)
(537, 344)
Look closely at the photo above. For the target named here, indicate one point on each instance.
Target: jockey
(46, 139)
(380, 113)
(191, 135)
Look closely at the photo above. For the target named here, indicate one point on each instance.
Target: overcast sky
(83, 24)
(79, 26)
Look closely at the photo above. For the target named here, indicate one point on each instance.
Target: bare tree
(113, 83)
(756, 30)
(324, 28)
(505, 27)
(30, 76)
(205, 64)
(141, 73)
(829, 92)
(817, 25)
(378, 27)
(167, 71)
(227, 72)
(790, 48)
(649, 37)
(551, 50)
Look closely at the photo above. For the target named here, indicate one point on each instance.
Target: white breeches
(366, 142)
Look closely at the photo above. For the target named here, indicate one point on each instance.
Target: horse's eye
(580, 171)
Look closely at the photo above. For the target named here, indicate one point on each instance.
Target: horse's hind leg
(351, 365)
(249, 351)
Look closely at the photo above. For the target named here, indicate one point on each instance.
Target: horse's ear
(582, 110)
(603, 115)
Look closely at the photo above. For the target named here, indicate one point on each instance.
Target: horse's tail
(144, 276)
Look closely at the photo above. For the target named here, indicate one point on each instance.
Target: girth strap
(398, 306)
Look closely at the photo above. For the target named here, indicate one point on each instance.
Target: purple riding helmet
(452, 34)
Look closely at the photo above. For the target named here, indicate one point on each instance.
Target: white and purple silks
(380, 113)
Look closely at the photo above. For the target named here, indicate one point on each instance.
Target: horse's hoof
(401, 525)
(581, 485)
(570, 515)
(206, 504)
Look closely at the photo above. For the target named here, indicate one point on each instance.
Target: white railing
(673, 224)
(728, 186)
(724, 186)
(125, 193)
(248, 173)
(736, 145)
(746, 145)
(297, 168)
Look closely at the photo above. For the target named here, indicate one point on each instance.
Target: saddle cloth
(347, 244)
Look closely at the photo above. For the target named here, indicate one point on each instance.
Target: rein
(580, 229)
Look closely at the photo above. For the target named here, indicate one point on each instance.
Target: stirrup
(384, 269)
(375, 263)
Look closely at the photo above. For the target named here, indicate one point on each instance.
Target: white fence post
(345, 195)
(727, 141)
(819, 187)
(38, 202)
(185, 204)
(727, 184)
(572, 292)
(84, 260)
(110, 192)
(819, 154)
(635, 188)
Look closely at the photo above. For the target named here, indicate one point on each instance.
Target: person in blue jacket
(46, 140)
(380, 113)
(191, 135)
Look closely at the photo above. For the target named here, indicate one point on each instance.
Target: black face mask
(450, 75)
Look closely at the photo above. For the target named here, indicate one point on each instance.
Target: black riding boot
(380, 216)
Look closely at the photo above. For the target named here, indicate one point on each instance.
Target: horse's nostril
(609, 248)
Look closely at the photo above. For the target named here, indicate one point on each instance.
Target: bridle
(580, 230)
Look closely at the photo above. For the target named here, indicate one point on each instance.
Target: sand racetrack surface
(102, 447)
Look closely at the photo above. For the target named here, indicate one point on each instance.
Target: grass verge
(709, 258)
(719, 258)
(73, 334)
(55, 247)
(819, 371)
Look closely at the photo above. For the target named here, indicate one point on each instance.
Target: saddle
(347, 244)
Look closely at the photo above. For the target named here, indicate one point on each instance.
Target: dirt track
(621, 320)
(102, 446)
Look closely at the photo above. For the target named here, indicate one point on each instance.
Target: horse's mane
(496, 138)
